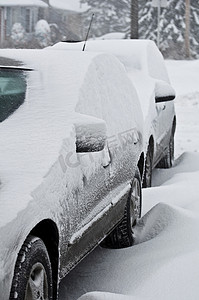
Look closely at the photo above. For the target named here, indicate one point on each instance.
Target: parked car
(70, 166)
(146, 69)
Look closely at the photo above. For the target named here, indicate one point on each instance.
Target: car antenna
(89, 28)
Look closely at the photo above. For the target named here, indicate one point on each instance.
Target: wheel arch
(47, 231)
(151, 144)
(141, 164)
(174, 125)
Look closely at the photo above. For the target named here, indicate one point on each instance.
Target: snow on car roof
(23, 3)
(143, 62)
(142, 55)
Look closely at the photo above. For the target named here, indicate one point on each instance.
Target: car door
(115, 101)
(90, 205)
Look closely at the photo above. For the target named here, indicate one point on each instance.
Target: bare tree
(134, 19)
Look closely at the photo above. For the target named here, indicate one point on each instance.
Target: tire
(167, 161)
(32, 278)
(122, 236)
(147, 178)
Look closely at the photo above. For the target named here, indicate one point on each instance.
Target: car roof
(142, 55)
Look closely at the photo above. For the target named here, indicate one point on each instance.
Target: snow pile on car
(42, 129)
(142, 55)
(144, 65)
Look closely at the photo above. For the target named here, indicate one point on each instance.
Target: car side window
(12, 91)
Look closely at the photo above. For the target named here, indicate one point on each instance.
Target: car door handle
(106, 161)
(136, 137)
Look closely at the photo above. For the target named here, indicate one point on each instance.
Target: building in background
(68, 15)
(25, 12)
(18, 20)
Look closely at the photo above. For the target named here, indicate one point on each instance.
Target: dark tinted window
(12, 91)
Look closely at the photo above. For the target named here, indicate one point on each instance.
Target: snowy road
(165, 262)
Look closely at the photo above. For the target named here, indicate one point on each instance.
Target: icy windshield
(12, 91)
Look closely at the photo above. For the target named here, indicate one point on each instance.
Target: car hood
(32, 138)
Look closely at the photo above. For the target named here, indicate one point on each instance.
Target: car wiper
(14, 68)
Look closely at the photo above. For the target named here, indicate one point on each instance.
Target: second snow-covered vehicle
(146, 69)
(71, 162)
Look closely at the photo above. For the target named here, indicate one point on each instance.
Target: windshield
(12, 91)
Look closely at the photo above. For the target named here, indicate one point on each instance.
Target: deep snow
(164, 263)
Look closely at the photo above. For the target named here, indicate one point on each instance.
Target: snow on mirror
(163, 92)
(90, 134)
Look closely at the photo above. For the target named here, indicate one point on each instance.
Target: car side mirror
(91, 134)
(164, 92)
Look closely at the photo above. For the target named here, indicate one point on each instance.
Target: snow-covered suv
(146, 69)
(70, 164)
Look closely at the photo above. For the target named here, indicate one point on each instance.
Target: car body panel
(43, 177)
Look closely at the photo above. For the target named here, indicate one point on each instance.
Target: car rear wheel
(123, 236)
(33, 275)
(167, 161)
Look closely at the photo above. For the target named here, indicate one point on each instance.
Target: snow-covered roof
(71, 5)
(39, 3)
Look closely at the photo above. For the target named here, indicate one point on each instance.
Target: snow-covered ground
(164, 264)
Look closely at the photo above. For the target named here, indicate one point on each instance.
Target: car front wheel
(33, 275)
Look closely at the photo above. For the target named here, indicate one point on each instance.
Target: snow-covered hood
(32, 137)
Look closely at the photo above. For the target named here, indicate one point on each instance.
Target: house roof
(39, 3)
(70, 5)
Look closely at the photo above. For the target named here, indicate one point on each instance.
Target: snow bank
(167, 245)
(168, 237)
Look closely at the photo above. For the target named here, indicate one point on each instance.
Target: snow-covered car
(146, 69)
(70, 166)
